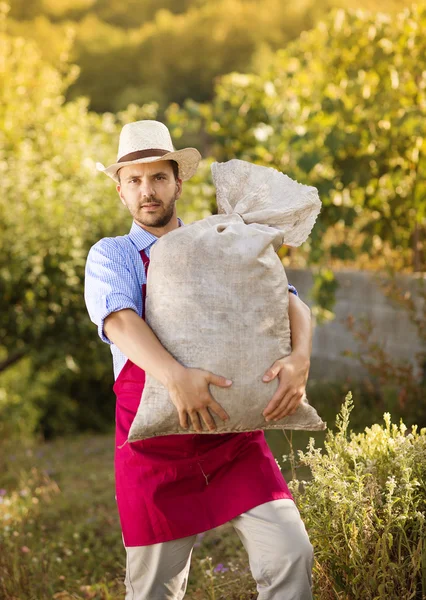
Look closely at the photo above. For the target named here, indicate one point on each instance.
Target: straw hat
(150, 141)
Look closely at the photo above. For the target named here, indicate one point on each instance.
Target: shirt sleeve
(109, 284)
(292, 289)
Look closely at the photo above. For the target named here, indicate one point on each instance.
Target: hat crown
(144, 135)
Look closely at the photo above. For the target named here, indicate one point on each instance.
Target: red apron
(174, 486)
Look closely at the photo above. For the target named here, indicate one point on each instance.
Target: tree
(342, 108)
(139, 52)
(53, 207)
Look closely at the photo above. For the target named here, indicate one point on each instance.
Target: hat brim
(188, 160)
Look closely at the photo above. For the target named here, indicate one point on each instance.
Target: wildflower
(220, 568)
(199, 540)
(25, 549)
(3, 492)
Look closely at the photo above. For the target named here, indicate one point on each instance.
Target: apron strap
(145, 261)
(130, 373)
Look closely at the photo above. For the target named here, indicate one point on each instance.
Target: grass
(60, 533)
(61, 537)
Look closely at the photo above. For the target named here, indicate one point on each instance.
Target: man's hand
(292, 372)
(189, 392)
(188, 388)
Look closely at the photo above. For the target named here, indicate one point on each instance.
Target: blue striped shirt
(114, 278)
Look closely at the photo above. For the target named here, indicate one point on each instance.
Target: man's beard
(161, 220)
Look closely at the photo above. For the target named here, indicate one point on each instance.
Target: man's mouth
(151, 205)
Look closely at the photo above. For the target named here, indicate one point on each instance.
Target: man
(164, 496)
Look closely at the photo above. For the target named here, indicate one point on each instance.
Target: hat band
(143, 154)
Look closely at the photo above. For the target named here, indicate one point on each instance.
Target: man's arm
(292, 370)
(188, 388)
(113, 299)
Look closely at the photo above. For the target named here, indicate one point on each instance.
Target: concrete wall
(359, 294)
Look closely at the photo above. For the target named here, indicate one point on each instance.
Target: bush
(364, 509)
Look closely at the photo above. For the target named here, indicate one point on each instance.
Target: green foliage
(56, 376)
(314, 110)
(19, 414)
(364, 506)
(60, 527)
(173, 57)
(364, 509)
(132, 51)
(198, 200)
(127, 14)
(323, 294)
(343, 108)
(53, 207)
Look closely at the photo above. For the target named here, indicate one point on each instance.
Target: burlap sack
(217, 298)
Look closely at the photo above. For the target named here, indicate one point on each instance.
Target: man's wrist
(303, 355)
(173, 373)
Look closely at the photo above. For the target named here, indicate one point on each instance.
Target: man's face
(150, 191)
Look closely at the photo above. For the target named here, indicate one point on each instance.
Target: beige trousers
(277, 544)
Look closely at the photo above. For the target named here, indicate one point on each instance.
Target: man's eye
(160, 177)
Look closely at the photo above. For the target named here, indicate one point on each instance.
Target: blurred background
(324, 91)
(328, 92)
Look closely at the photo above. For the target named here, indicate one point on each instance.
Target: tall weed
(364, 509)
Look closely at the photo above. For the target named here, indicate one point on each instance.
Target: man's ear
(118, 188)
(178, 187)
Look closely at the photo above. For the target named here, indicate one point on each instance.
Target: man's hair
(174, 165)
(175, 168)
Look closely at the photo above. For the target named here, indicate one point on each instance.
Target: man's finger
(218, 380)
(218, 410)
(272, 372)
(208, 419)
(195, 420)
(293, 408)
(282, 407)
(183, 419)
(275, 400)
(287, 407)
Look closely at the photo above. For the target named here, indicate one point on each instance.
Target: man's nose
(147, 189)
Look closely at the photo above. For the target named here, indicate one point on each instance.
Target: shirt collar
(142, 238)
